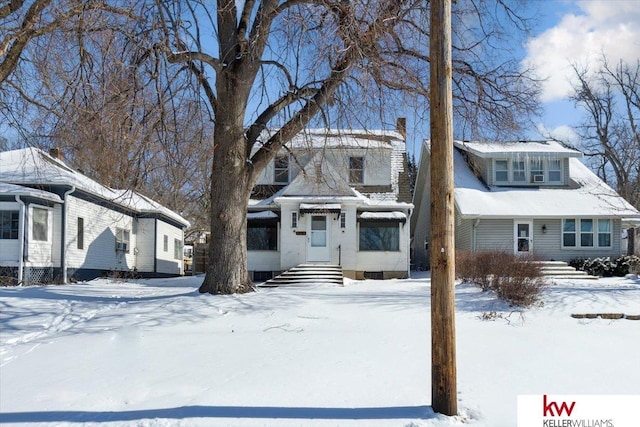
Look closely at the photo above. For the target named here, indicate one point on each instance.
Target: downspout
(474, 244)
(63, 256)
(23, 214)
(408, 224)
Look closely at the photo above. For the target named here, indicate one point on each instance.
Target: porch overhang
(319, 208)
(394, 216)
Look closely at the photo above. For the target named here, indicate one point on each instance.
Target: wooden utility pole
(442, 250)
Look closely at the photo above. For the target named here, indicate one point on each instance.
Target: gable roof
(589, 197)
(32, 166)
(318, 140)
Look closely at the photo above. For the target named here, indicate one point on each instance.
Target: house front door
(523, 238)
(318, 241)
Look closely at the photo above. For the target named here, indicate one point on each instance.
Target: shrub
(605, 267)
(515, 279)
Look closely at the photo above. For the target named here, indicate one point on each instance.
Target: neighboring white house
(525, 197)
(336, 197)
(56, 224)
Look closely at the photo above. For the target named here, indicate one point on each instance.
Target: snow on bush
(605, 267)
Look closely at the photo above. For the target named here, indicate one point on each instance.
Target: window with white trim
(165, 243)
(519, 171)
(40, 224)
(554, 173)
(177, 249)
(569, 233)
(379, 236)
(604, 233)
(281, 170)
(122, 240)
(294, 219)
(343, 219)
(501, 170)
(586, 233)
(356, 170)
(536, 170)
(9, 224)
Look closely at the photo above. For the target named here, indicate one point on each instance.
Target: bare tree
(22, 21)
(279, 64)
(95, 87)
(610, 97)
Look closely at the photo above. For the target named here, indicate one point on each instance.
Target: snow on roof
(313, 207)
(19, 190)
(519, 148)
(262, 215)
(592, 198)
(395, 215)
(35, 167)
(338, 138)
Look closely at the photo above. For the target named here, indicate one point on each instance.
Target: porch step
(562, 270)
(306, 274)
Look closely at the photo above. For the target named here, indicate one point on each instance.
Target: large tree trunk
(227, 272)
(231, 185)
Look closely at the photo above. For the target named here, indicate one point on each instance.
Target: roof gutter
(21, 237)
(65, 207)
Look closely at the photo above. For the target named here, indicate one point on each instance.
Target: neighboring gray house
(57, 224)
(524, 197)
(337, 197)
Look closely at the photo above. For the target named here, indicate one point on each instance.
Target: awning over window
(262, 217)
(306, 208)
(382, 217)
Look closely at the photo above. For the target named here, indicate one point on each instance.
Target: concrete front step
(562, 270)
(305, 274)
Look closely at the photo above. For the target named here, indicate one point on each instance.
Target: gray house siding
(464, 233)
(494, 234)
(550, 243)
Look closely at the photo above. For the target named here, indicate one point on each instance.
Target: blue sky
(572, 31)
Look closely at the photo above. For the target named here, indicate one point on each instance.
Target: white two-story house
(338, 197)
(57, 225)
(525, 197)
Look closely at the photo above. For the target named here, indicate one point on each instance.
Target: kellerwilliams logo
(578, 410)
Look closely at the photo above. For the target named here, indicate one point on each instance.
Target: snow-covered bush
(605, 267)
(515, 279)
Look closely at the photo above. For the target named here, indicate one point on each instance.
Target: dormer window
(528, 171)
(281, 170)
(502, 171)
(536, 171)
(519, 172)
(555, 170)
(356, 170)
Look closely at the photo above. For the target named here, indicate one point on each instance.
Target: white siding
(165, 261)
(40, 253)
(100, 225)
(145, 241)
(377, 165)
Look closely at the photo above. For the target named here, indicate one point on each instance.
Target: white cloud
(562, 133)
(608, 26)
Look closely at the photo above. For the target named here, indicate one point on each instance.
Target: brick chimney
(56, 153)
(401, 126)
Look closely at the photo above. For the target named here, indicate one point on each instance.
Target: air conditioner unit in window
(538, 178)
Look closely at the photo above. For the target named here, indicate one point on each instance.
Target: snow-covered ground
(156, 353)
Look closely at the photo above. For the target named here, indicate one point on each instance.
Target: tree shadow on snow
(253, 412)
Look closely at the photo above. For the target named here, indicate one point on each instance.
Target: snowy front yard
(156, 353)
